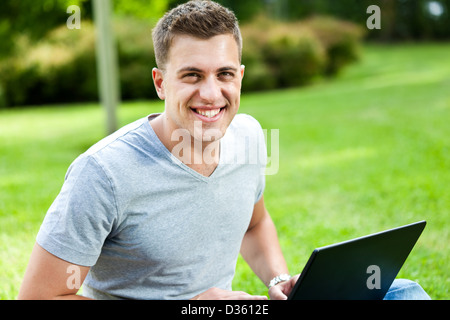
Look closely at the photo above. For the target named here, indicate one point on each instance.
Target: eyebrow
(194, 69)
(188, 69)
(229, 68)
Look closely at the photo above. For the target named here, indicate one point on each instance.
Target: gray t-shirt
(149, 226)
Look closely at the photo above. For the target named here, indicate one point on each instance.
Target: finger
(276, 293)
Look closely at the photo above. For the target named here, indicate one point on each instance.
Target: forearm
(261, 250)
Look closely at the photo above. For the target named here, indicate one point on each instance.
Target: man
(162, 208)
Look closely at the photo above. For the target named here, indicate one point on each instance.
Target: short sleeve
(82, 215)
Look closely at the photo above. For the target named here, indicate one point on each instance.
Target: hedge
(61, 67)
(297, 53)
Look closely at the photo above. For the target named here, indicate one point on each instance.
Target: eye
(191, 77)
(226, 75)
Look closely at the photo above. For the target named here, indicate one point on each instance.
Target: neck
(201, 156)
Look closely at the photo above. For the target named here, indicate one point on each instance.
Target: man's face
(201, 85)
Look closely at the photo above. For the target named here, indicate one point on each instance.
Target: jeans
(402, 289)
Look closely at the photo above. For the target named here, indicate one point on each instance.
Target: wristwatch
(278, 279)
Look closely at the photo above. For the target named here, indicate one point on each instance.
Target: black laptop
(359, 269)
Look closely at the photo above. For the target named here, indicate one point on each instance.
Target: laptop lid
(359, 269)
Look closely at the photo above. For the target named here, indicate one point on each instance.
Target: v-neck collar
(154, 137)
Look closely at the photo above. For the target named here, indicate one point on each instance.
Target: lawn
(365, 152)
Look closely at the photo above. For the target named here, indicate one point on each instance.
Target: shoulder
(127, 132)
(246, 129)
(245, 120)
(245, 137)
(245, 124)
(111, 152)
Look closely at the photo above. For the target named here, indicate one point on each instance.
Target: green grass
(365, 152)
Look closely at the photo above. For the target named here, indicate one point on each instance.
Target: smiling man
(200, 83)
(143, 215)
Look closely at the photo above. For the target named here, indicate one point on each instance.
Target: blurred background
(363, 116)
(44, 62)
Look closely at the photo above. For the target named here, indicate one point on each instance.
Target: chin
(208, 135)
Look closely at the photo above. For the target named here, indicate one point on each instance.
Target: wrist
(280, 278)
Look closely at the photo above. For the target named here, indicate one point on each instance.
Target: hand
(220, 294)
(282, 290)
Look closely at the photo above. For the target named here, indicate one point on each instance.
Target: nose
(210, 90)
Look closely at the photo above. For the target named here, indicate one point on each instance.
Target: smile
(208, 114)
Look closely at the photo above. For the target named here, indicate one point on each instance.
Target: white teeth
(208, 113)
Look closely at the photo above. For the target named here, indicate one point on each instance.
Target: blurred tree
(143, 9)
(278, 9)
(36, 18)
(33, 18)
(244, 10)
(400, 19)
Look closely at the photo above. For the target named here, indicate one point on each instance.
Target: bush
(258, 75)
(59, 68)
(341, 40)
(296, 53)
(62, 67)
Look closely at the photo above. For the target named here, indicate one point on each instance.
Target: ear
(242, 71)
(158, 80)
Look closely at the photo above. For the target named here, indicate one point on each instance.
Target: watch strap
(278, 279)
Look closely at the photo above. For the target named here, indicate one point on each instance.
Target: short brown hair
(200, 19)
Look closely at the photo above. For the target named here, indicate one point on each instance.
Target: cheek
(233, 93)
(179, 96)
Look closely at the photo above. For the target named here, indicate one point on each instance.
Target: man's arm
(261, 250)
(48, 277)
